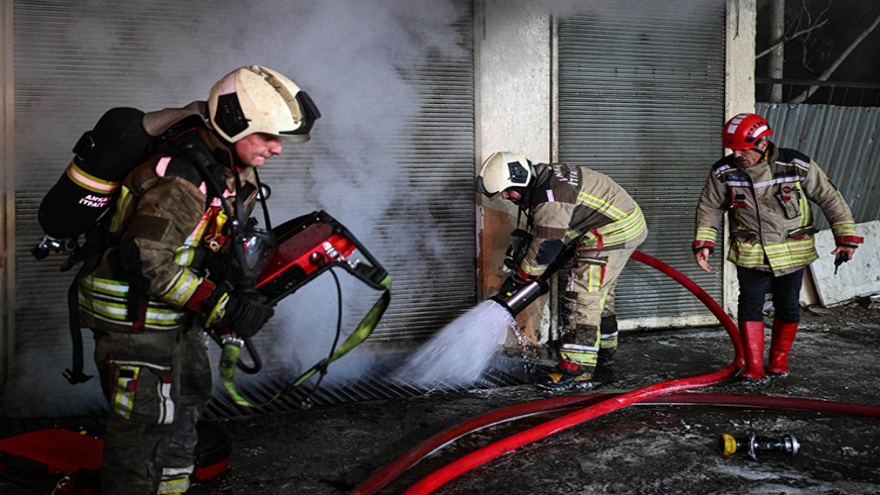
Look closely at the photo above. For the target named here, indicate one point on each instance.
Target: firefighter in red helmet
(766, 191)
(168, 271)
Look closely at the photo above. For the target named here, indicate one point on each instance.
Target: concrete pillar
(739, 96)
(513, 114)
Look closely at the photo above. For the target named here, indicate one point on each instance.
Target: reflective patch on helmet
(734, 123)
(230, 116)
(518, 173)
(755, 132)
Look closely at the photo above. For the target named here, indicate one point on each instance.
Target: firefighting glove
(519, 243)
(244, 314)
(513, 283)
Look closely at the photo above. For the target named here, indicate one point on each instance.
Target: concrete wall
(514, 93)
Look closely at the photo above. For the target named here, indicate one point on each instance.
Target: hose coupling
(755, 445)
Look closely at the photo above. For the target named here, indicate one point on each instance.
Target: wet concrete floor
(640, 449)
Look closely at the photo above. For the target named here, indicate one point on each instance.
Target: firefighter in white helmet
(169, 272)
(766, 192)
(571, 205)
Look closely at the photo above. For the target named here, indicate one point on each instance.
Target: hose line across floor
(520, 411)
(594, 405)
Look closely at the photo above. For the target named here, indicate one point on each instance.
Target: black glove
(513, 283)
(516, 251)
(245, 315)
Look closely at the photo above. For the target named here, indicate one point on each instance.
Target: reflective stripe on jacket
(768, 207)
(167, 228)
(571, 202)
(108, 300)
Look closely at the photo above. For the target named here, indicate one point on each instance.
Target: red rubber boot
(752, 333)
(783, 338)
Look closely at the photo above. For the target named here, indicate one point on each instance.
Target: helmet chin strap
(523, 194)
(765, 153)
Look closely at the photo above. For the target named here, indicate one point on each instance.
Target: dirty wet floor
(641, 449)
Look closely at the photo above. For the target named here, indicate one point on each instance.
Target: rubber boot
(780, 344)
(752, 333)
(607, 340)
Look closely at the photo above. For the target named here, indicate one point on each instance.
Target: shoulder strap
(190, 146)
(75, 373)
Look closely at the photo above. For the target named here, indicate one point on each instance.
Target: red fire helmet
(745, 131)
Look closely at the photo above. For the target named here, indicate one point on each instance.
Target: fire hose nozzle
(518, 299)
(755, 445)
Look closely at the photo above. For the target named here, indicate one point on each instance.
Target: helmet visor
(481, 188)
(310, 114)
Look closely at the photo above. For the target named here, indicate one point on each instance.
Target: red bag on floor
(69, 461)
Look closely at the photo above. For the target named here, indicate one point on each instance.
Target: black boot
(607, 340)
(566, 375)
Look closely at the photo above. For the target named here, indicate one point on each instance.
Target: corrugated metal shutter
(406, 194)
(844, 141)
(641, 94)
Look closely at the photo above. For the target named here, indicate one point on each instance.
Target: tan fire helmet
(256, 99)
(502, 170)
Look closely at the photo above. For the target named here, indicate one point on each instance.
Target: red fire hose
(593, 406)
(519, 411)
(494, 450)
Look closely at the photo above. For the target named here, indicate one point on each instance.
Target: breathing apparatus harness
(519, 243)
(521, 238)
(97, 237)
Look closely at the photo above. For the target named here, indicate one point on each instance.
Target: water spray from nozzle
(755, 445)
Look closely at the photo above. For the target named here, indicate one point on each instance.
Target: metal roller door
(391, 157)
(641, 99)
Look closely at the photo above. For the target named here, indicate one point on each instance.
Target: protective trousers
(589, 286)
(157, 384)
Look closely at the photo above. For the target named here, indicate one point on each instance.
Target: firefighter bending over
(565, 204)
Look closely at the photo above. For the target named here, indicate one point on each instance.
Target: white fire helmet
(256, 99)
(502, 170)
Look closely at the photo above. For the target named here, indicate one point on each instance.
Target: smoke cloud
(352, 57)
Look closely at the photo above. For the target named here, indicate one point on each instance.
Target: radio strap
(232, 351)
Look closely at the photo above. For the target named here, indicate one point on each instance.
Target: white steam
(352, 57)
